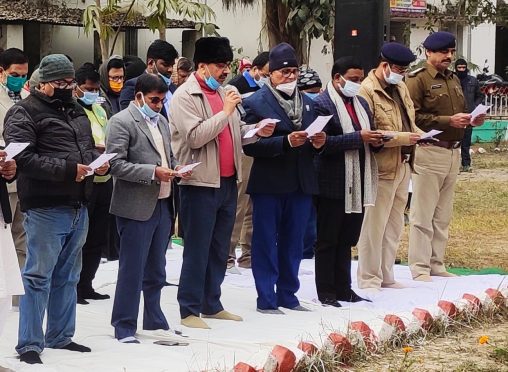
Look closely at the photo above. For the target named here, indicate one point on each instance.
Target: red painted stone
(495, 295)
(308, 347)
(396, 322)
(473, 300)
(244, 367)
(340, 344)
(367, 334)
(448, 308)
(283, 358)
(423, 317)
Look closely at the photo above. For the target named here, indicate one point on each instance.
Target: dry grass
(479, 230)
(456, 350)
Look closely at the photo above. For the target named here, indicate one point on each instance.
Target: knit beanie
(308, 79)
(281, 56)
(55, 67)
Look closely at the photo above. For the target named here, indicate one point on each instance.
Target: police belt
(447, 144)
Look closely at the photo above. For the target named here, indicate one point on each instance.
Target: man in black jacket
(473, 97)
(53, 190)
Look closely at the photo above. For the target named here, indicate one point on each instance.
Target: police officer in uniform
(439, 104)
(394, 115)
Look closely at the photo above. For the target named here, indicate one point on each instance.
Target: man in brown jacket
(206, 128)
(394, 114)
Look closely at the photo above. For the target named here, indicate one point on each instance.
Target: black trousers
(337, 232)
(465, 146)
(101, 236)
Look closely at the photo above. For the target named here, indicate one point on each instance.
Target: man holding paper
(142, 173)
(282, 181)
(347, 175)
(439, 104)
(206, 127)
(394, 116)
(53, 191)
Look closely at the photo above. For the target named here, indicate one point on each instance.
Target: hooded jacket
(112, 103)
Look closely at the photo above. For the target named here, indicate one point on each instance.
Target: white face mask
(350, 89)
(287, 88)
(393, 77)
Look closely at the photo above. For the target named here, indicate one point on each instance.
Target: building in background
(56, 29)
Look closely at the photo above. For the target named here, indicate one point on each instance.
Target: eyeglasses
(222, 66)
(63, 84)
(116, 78)
(287, 72)
(156, 100)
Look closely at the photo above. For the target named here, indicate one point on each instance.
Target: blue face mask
(89, 98)
(167, 80)
(147, 110)
(15, 83)
(312, 96)
(211, 82)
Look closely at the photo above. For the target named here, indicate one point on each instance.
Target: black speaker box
(361, 26)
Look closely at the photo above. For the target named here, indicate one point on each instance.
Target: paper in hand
(251, 133)
(14, 149)
(187, 168)
(479, 110)
(100, 161)
(430, 134)
(317, 125)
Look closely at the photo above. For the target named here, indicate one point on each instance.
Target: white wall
(73, 42)
(483, 46)
(483, 42)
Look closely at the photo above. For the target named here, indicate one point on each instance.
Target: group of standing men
(355, 173)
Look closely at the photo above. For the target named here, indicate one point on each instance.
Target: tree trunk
(162, 31)
(276, 18)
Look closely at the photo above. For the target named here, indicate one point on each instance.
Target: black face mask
(64, 95)
(461, 74)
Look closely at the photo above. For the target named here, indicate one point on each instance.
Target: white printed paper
(263, 123)
(100, 161)
(479, 110)
(431, 134)
(317, 125)
(14, 149)
(187, 168)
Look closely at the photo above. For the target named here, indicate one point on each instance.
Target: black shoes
(330, 302)
(351, 296)
(30, 357)
(76, 347)
(83, 297)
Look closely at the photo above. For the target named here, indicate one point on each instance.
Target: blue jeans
(55, 237)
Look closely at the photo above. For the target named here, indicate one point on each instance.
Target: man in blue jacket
(160, 59)
(282, 182)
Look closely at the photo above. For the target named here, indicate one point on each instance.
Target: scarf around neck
(353, 180)
(293, 107)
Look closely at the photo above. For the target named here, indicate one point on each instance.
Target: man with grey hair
(53, 189)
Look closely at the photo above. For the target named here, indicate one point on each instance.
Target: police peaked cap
(439, 40)
(397, 54)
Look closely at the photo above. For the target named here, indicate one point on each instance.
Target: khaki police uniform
(393, 111)
(436, 97)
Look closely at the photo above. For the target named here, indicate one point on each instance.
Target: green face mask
(15, 83)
